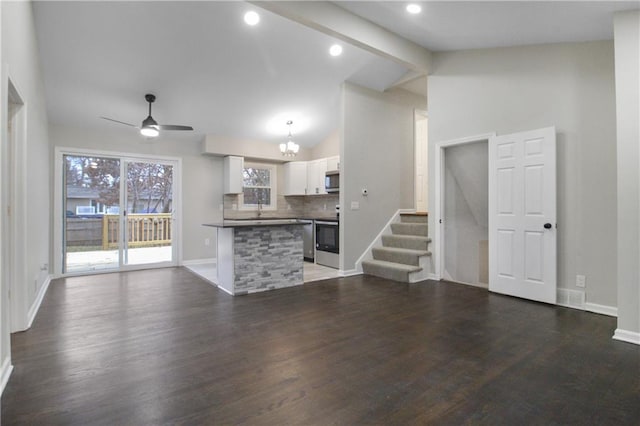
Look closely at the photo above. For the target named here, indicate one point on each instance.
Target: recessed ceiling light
(335, 50)
(251, 18)
(414, 8)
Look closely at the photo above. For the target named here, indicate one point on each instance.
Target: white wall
(201, 177)
(377, 153)
(20, 62)
(225, 145)
(627, 59)
(330, 147)
(570, 86)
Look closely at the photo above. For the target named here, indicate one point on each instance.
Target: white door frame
(124, 157)
(14, 195)
(438, 208)
(424, 115)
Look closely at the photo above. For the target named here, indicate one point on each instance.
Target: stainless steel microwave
(332, 181)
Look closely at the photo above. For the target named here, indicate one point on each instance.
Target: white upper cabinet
(295, 178)
(307, 177)
(333, 163)
(233, 169)
(316, 170)
(312, 177)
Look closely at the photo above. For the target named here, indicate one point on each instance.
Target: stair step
(399, 255)
(403, 228)
(389, 270)
(406, 241)
(414, 217)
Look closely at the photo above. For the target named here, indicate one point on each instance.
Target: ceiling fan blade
(173, 127)
(118, 121)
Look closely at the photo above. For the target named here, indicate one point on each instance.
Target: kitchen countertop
(237, 223)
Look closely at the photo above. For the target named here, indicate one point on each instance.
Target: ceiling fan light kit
(150, 127)
(149, 132)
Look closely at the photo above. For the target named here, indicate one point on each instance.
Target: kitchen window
(258, 187)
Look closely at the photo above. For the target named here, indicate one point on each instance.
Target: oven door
(327, 237)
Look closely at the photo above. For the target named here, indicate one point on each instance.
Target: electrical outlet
(355, 205)
(581, 281)
(207, 241)
(234, 206)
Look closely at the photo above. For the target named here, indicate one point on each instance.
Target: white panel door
(522, 215)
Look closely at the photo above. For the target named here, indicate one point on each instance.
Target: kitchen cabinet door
(295, 178)
(333, 163)
(316, 170)
(312, 177)
(321, 174)
(233, 168)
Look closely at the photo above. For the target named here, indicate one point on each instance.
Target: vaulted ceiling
(211, 71)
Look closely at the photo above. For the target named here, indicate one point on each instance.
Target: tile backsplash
(299, 206)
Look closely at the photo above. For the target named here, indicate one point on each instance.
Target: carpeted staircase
(404, 255)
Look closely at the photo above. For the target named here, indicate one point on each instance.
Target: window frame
(273, 179)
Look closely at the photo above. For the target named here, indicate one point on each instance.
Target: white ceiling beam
(409, 77)
(337, 22)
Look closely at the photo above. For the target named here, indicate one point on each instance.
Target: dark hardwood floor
(164, 347)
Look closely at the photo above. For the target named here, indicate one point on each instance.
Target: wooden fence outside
(144, 230)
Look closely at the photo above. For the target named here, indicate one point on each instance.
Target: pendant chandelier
(290, 148)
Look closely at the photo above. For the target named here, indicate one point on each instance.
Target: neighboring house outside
(86, 201)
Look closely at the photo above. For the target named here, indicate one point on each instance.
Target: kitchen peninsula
(259, 254)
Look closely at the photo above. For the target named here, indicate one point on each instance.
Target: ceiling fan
(150, 127)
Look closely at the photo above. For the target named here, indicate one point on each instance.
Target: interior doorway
(465, 213)
(12, 250)
(438, 219)
(421, 161)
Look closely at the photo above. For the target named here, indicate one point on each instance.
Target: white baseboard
(349, 273)
(35, 306)
(198, 261)
(223, 289)
(627, 336)
(611, 311)
(433, 276)
(5, 373)
(570, 298)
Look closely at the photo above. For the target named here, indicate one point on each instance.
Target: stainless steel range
(328, 243)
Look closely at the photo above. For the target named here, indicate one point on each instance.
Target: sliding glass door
(91, 199)
(148, 213)
(118, 213)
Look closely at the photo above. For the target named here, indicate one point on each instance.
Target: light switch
(355, 205)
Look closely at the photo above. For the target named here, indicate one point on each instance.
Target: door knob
(547, 226)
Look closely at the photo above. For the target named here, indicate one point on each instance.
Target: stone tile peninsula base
(259, 255)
